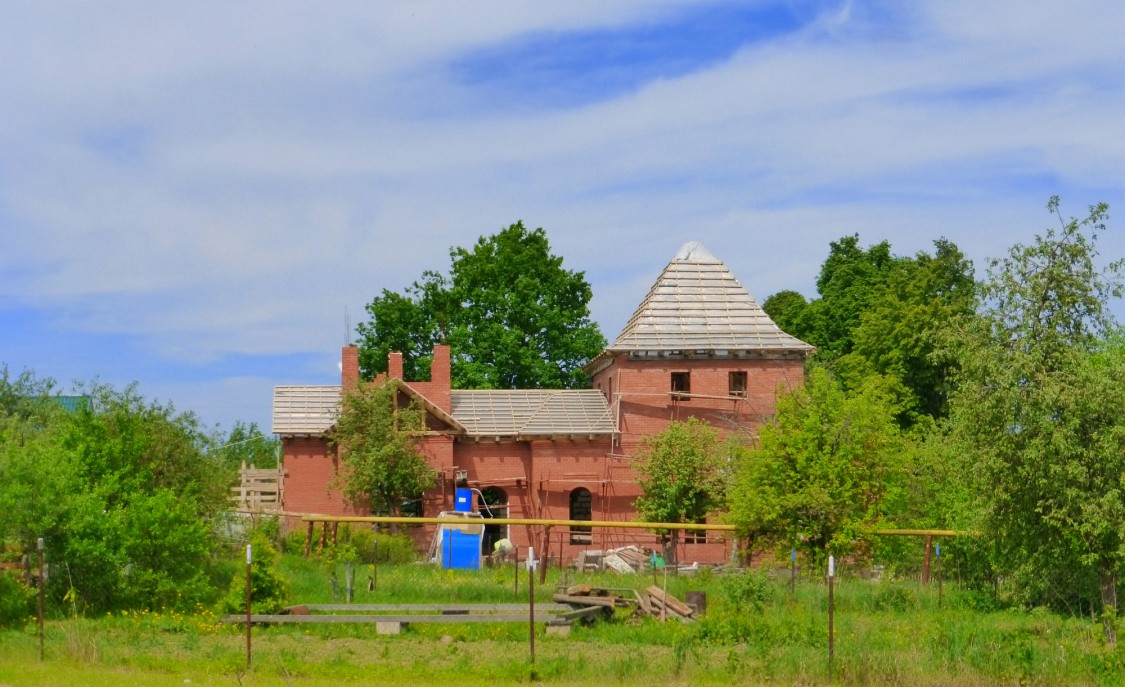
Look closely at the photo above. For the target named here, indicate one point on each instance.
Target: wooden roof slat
(697, 303)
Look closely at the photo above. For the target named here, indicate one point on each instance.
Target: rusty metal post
(831, 615)
(926, 561)
(249, 558)
(546, 554)
(42, 547)
(792, 574)
(531, 601)
(937, 552)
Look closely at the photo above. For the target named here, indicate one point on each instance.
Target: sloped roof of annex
(520, 414)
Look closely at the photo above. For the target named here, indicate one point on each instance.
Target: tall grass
(755, 632)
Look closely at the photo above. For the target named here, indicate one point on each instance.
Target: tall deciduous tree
(682, 477)
(899, 333)
(848, 281)
(120, 488)
(828, 468)
(1040, 409)
(376, 438)
(513, 316)
(884, 314)
(246, 443)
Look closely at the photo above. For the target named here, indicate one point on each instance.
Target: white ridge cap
(694, 251)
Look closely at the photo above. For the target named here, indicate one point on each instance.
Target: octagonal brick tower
(698, 345)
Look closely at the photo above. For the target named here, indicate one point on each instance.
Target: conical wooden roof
(698, 306)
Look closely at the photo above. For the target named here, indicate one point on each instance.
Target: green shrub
(895, 597)
(747, 590)
(393, 548)
(17, 602)
(293, 541)
(268, 589)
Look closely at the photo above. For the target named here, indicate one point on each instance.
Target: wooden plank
(604, 601)
(367, 619)
(480, 608)
(670, 601)
(588, 612)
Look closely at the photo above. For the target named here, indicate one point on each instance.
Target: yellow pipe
(916, 533)
(627, 524)
(632, 524)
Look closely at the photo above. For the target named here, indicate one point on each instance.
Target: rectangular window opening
(696, 536)
(681, 386)
(736, 384)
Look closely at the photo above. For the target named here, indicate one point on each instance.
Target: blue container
(459, 550)
(463, 501)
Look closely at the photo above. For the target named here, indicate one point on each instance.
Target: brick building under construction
(698, 345)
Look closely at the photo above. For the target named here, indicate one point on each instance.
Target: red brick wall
(538, 477)
(646, 405)
(309, 469)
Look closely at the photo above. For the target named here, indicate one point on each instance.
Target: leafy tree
(513, 316)
(879, 314)
(899, 333)
(847, 283)
(1040, 410)
(247, 444)
(410, 323)
(830, 467)
(786, 308)
(120, 489)
(376, 440)
(681, 475)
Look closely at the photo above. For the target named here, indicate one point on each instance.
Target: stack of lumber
(627, 559)
(589, 561)
(587, 603)
(659, 604)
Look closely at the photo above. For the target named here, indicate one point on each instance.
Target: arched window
(581, 508)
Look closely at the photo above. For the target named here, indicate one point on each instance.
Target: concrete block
(387, 627)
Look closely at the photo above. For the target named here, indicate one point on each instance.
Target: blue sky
(192, 195)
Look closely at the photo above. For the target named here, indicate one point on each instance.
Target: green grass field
(754, 633)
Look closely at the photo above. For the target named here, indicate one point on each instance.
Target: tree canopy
(1039, 411)
(513, 316)
(828, 468)
(376, 439)
(120, 488)
(884, 314)
(681, 475)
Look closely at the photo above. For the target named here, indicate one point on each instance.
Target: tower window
(736, 384)
(681, 386)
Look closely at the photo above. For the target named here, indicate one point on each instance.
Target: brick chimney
(440, 377)
(349, 367)
(394, 365)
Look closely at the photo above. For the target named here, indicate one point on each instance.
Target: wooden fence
(259, 490)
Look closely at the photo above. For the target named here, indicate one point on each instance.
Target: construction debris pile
(659, 604)
(625, 560)
(590, 603)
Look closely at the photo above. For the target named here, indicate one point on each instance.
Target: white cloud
(224, 179)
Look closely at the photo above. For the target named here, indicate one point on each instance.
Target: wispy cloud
(187, 191)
